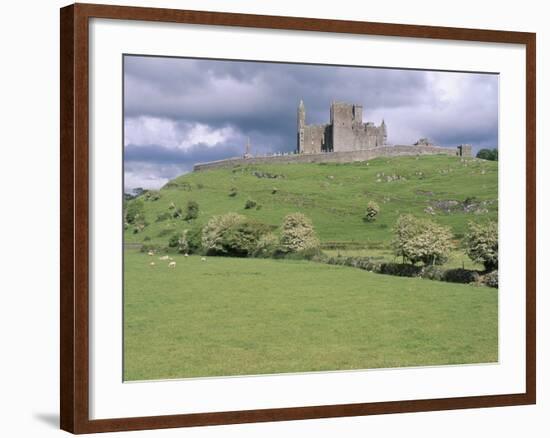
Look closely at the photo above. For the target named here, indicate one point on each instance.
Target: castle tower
(301, 126)
(384, 133)
(247, 153)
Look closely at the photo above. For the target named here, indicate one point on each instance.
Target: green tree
(488, 154)
(481, 243)
(232, 234)
(135, 212)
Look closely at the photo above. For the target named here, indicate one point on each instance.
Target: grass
(334, 196)
(252, 316)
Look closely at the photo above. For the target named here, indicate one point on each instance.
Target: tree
(135, 212)
(372, 211)
(298, 234)
(191, 211)
(488, 154)
(421, 240)
(481, 243)
(232, 234)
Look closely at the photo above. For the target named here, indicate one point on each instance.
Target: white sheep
(164, 257)
(186, 255)
(151, 253)
(152, 264)
(203, 259)
(172, 264)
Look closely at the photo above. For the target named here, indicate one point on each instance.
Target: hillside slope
(450, 190)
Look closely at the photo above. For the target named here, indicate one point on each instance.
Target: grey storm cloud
(179, 111)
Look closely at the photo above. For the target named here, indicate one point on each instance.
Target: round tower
(301, 126)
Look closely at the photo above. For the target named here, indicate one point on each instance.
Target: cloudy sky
(180, 111)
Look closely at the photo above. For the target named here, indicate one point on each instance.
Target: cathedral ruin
(346, 131)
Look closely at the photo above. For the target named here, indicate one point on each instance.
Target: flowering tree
(481, 243)
(297, 233)
(421, 240)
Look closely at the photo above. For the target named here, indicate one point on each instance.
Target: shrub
(152, 195)
(135, 211)
(233, 192)
(268, 245)
(232, 234)
(460, 275)
(491, 279)
(191, 211)
(481, 243)
(250, 203)
(297, 233)
(178, 213)
(146, 239)
(372, 211)
(433, 273)
(400, 269)
(173, 242)
(421, 240)
(488, 154)
(163, 216)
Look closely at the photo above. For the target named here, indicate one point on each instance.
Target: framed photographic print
(276, 218)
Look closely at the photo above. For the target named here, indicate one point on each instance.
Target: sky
(181, 111)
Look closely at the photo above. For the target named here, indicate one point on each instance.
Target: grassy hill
(232, 316)
(449, 190)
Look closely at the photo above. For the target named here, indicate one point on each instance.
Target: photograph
(297, 218)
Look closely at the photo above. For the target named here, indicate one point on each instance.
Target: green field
(334, 196)
(230, 316)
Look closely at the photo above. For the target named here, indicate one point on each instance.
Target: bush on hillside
(481, 243)
(191, 211)
(232, 234)
(233, 192)
(488, 154)
(163, 216)
(421, 240)
(250, 203)
(297, 233)
(372, 211)
(135, 212)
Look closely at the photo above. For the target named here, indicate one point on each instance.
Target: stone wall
(334, 157)
(315, 139)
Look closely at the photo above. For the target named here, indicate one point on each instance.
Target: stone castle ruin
(345, 132)
(344, 139)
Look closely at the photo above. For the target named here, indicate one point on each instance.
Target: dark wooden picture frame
(74, 273)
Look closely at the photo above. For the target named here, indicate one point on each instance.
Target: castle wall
(334, 157)
(315, 139)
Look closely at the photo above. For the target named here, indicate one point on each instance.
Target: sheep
(152, 264)
(203, 259)
(172, 264)
(164, 257)
(186, 255)
(151, 253)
